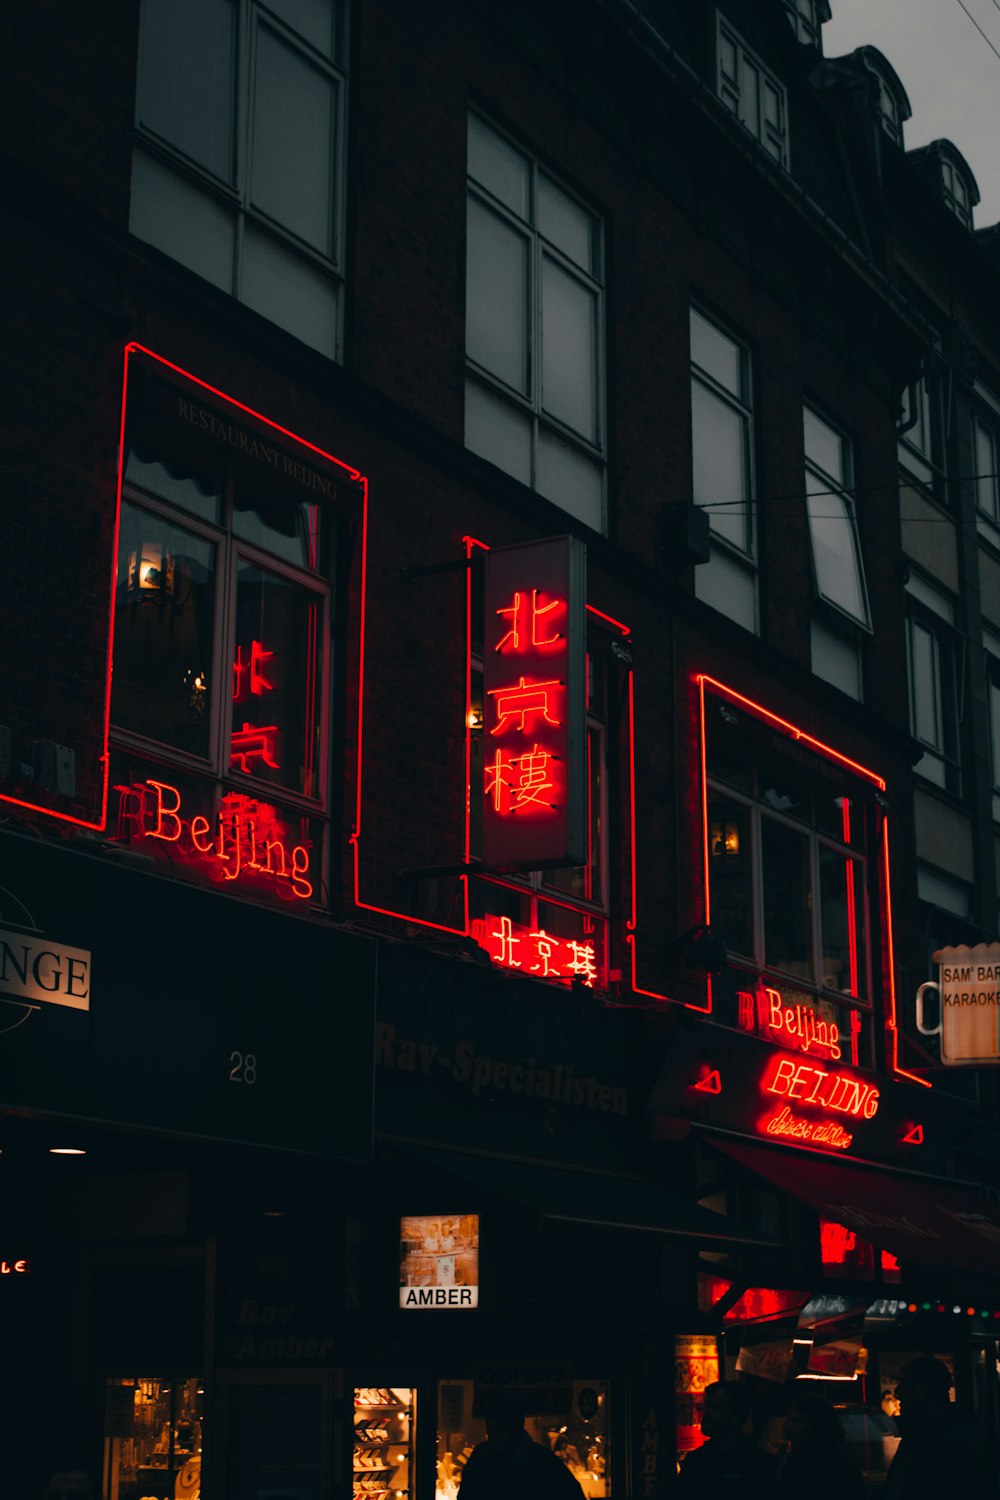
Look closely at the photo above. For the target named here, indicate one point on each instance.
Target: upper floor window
(959, 194)
(921, 432)
(238, 162)
(752, 93)
(836, 548)
(534, 327)
(933, 652)
(893, 105)
(991, 641)
(986, 451)
(807, 17)
(722, 467)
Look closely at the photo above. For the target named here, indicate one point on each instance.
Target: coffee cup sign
(969, 991)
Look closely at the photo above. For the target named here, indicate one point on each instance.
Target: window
(752, 94)
(534, 328)
(789, 837)
(986, 457)
(222, 610)
(722, 462)
(893, 105)
(838, 570)
(920, 443)
(933, 652)
(992, 643)
(959, 193)
(237, 169)
(153, 1433)
(807, 17)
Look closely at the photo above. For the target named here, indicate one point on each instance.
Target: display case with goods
(384, 1433)
(152, 1438)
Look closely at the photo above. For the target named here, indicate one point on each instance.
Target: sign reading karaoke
(968, 989)
(534, 706)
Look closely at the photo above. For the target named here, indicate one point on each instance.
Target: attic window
(752, 93)
(957, 195)
(807, 16)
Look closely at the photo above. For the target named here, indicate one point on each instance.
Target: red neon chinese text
(536, 951)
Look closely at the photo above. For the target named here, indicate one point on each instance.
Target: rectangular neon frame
(99, 824)
(872, 777)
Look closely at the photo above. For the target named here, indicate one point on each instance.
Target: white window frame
(931, 614)
(234, 197)
(807, 17)
(956, 192)
(991, 645)
(743, 84)
(920, 439)
(529, 405)
(729, 580)
(986, 451)
(826, 489)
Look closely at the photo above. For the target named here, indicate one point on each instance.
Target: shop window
(238, 162)
(789, 843)
(534, 327)
(153, 1437)
(986, 462)
(550, 924)
(571, 1420)
(221, 617)
(385, 1422)
(934, 661)
(722, 465)
(751, 93)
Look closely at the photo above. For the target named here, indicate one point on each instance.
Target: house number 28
(244, 1067)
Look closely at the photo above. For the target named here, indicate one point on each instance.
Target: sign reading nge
(439, 1260)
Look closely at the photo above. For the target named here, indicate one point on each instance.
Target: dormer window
(807, 16)
(752, 93)
(958, 195)
(893, 105)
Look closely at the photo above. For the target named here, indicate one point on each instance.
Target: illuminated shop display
(439, 1261)
(153, 1438)
(384, 1435)
(570, 1418)
(795, 841)
(696, 1365)
(221, 623)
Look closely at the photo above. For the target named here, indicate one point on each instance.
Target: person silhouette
(816, 1461)
(729, 1465)
(510, 1463)
(939, 1453)
(68, 1483)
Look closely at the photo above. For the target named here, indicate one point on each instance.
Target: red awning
(923, 1222)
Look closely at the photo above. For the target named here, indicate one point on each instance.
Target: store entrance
(280, 1433)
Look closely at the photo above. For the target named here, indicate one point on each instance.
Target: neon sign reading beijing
(245, 841)
(790, 1024)
(806, 1083)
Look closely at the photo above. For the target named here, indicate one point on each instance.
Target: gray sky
(947, 68)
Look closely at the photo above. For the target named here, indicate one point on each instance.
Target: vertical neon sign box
(534, 706)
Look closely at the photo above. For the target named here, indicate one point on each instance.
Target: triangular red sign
(710, 1084)
(914, 1136)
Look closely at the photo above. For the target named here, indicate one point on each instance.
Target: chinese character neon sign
(246, 841)
(534, 729)
(535, 951)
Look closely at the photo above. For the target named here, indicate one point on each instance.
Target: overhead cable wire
(982, 33)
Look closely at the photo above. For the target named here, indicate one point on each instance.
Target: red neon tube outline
(792, 729)
(893, 1023)
(610, 620)
(852, 934)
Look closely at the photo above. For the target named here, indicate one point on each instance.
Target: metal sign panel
(534, 706)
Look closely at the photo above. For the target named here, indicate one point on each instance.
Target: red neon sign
(534, 784)
(535, 951)
(806, 1083)
(246, 840)
(792, 1024)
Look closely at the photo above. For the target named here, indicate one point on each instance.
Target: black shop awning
(566, 1198)
(921, 1221)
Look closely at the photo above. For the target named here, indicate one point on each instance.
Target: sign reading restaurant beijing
(534, 706)
(969, 994)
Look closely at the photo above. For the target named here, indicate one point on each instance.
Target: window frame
(540, 249)
(929, 610)
(236, 195)
(844, 492)
(923, 413)
(734, 95)
(806, 18)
